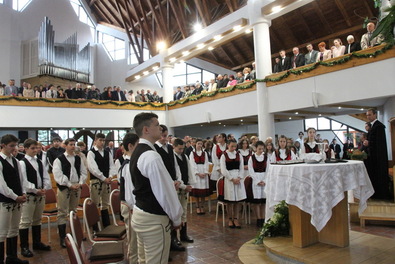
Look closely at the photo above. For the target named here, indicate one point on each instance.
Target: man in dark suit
(297, 59)
(118, 95)
(352, 45)
(336, 148)
(221, 82)
(111, 149)
(178, 95)
(77, 92)
(378, 157)
(285, 62)
(277, 65)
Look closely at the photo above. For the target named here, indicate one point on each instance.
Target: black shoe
(15, 260)
(175, 243)
(26, 253)
(62, 235)
(183, 234)
(41, 246)
(170, 259)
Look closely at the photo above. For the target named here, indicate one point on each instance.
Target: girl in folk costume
(232, 167)
(310, 144)
(218, 149)
(257, 168)
(270, 151)
(329, 153)
(283, 153)
(198, 160)
(246, 152)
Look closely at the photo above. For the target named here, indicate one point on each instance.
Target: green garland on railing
(73, 101)
(211, 94)
(339, 61)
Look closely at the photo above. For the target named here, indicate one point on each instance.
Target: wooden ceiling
(173, 20)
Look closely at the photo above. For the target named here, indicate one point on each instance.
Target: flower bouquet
(278, 225)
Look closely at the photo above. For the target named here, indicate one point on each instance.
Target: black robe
(377, 162)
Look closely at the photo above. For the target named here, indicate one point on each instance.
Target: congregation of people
(337, 49)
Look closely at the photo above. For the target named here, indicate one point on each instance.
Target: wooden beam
(215, 62)
(229, 4)
(201, 13)
(112, 11)
(146, 30)
(239, 50)
(179, 16)
(242, 66)
(343, 11)
(159, 21)
(317, 9)
(103, 14)
(287, 31)
(368, 9)
(303, 21)
(230, 58)
(92, 2)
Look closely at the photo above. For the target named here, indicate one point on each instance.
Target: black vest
(11, 178)
(102, 162)
(31, 173)
(122, 180)
(145, 198)
(183, 163)
(259, 166)
(168, 160)
(232, 164)
(66, 168)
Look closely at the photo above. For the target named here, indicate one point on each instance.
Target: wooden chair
(108, 250)
(115, 205)
(250, 197)
(92, 218)
(50, 198)
(72, 250)
(85, 193)
(114, 184)
(220, 198)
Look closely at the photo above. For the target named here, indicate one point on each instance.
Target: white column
(263, 68)
(167, 81)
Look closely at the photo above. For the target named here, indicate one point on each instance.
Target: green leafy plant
(277, 225)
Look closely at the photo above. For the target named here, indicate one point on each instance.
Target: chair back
(115, 201)
(91, 214)
(114, 184)
(72, 250)
(85, 193)
(76, 230)
(220, 189)
(248, 187)
(50, 196)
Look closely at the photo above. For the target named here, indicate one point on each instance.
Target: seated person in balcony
(311, 55)
(51, 93)
(178, 94)
(338, 49)
(232, 80)
(283, 152)
(246, 74)
(28, 92)
(198, 88)
(297, 59)
(285, 61)
(77, 92)
(367, 41)
(323, 54)
(148, 95)
(130, 96)
(212, 86)
(253, 71)
(188, 91)
(352, 45)
(93, 94)
(137, 98)
(277, 65)
(155, 97)
(239, 77)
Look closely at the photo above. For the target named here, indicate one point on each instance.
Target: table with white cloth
(316, 197)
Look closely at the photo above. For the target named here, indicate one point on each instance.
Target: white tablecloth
(316, 188)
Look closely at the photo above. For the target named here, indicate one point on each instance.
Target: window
(81, 13)
(19, 5)
(185, 73)
(133, 57)
(323, 123)
(1, 1)
(114, 47)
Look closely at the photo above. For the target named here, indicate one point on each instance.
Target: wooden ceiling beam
(199, 8)
(230, 58)
(303, 21)
(215, 62)
(288, 32)
(317, 9)
(92, 2)
(103, 14)
(343, 12)
(159, 21)
(149, 39)
(239, 50)
(231, 5)
(112, 11)
(368, 9)
(180, 19)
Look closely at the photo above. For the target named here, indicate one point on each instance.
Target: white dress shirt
(30, 187)
(177, 168)
(130, 199)
(151, 166)
(191, 179)
(4, 189)
(62, 179)
(94, 168)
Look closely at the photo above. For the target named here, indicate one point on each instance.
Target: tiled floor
(213, 243)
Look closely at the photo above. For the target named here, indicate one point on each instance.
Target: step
(375, 216)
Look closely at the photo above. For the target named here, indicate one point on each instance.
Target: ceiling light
(201, 125)
(289, 118)
(224, 125)
(362, 109)
(185, 53)
(236, 28)
(319, 115)
(197, 27)
(161, 45)
(339, 107)
(146, 72)
(296, 113)
(241, 120)
(173, 59)
(200, 46)
(219, 123)
(248, 31)
(137, 77)
(155, 68)
(210, 48)
(217, 37)
(276, 9)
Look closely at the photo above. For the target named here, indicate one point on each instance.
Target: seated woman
(324, 54)
(232, 80)
(283, 152)
(339, 49)
(232, 167)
